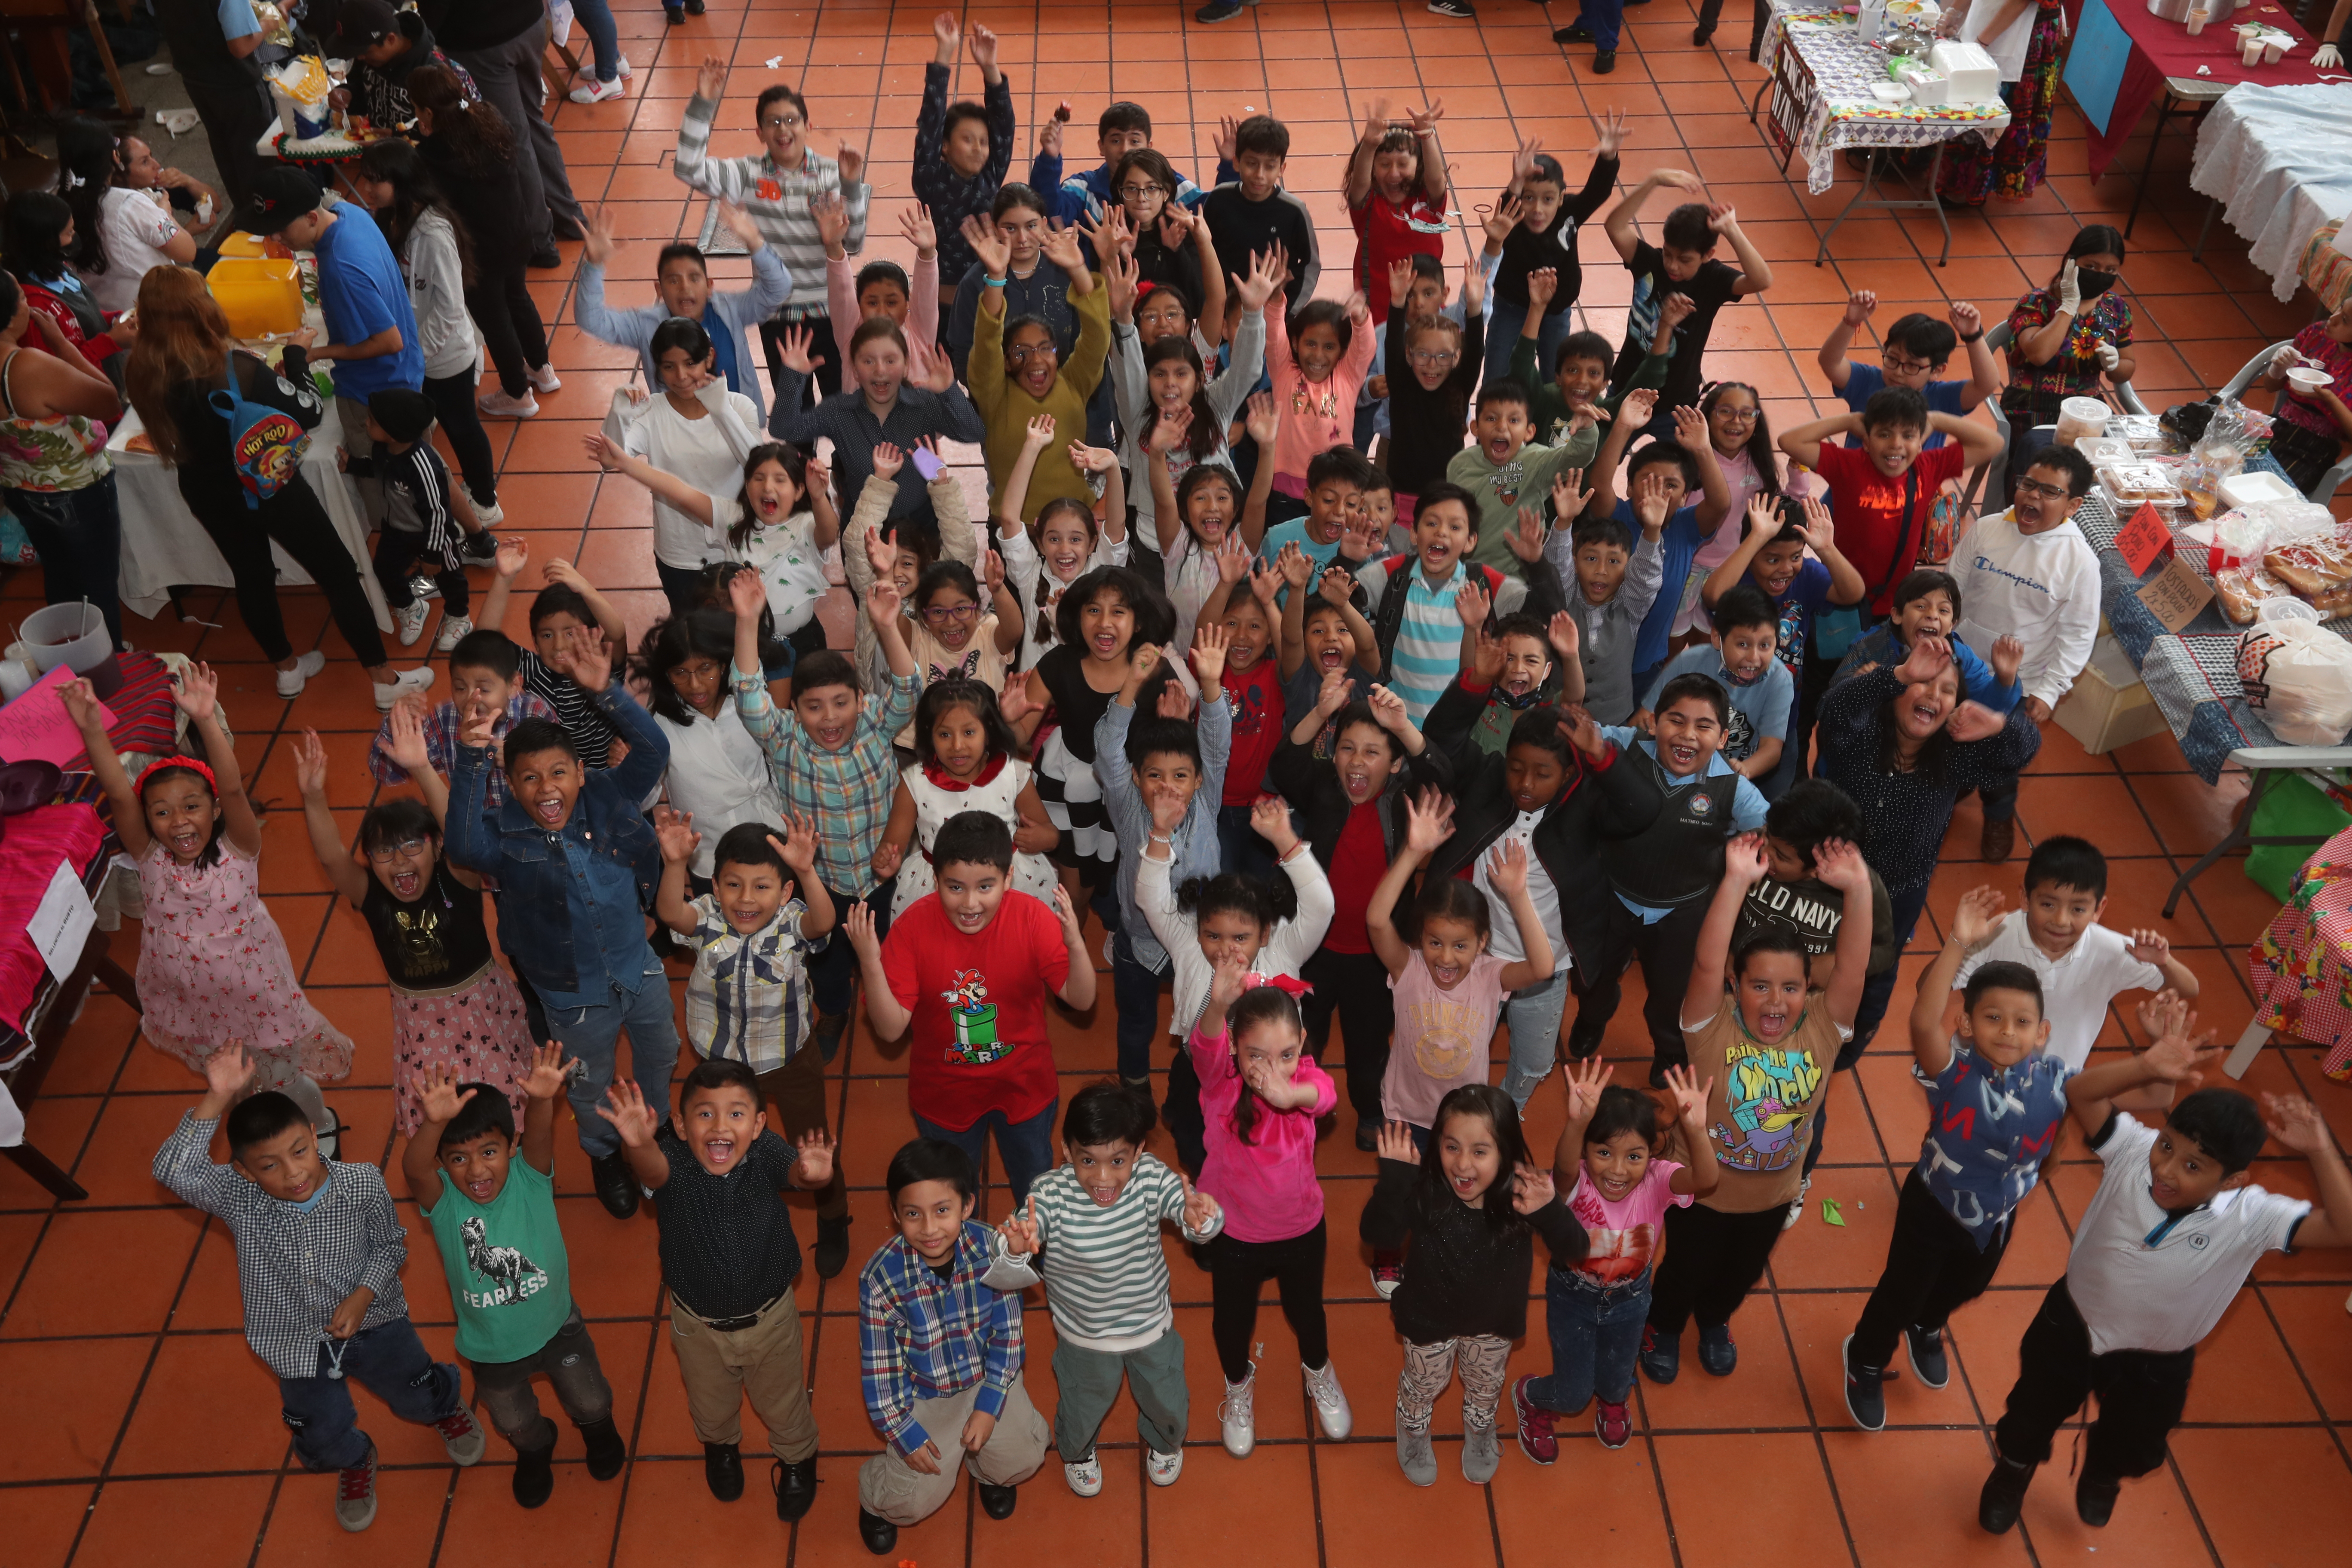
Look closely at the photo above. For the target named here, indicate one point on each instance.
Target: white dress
(1032, 873)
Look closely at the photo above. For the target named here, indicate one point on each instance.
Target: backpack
(266, 444)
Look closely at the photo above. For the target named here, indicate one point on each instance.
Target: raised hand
(1690, 430)
(1929, 657)
(597, 242)
(2151, 946)
(583, 656)
(1175, 702)
(1233, 560)
(1859, 306)
(1722, 217)
(1967, 319)
(928, 368)
(1586, 1080)
(853, 163)
(989, 246)
(546, 1078)
(710, 78)
(1583, 731)
(747, 595)
(1201, 1210)
(993, 574)
(1068, 914)
(1175, 426)
(813, 1158)
(1745, 862)
(1394, 1142)
(1838, 863)
(1228, 142)
(1061, 248)
(915, 224)
(1821, 527)
(1389, 709)
(1690, 1092)
(1264, 420)
(1270, 820)
(832, 215)
(1565, 639)
(1226, 979)
(674, 830)
(1399, 282)
(1295, 566)
(1610, 125)
(1472, 603)
(1542, 284)
(1526, 540)
(228, 1070)
(887, 859)
(436, 1094)
(1507, 868)
(1022, 1233)
(860, 924)
(2298, 1123)
(797, 848)
(514, 554)
(1569, 497)
(310, 763)
(1091, 459)
(1264, 281)
(624, 1106)
(794, 350)
(1429, 821)
(1504, 218)
(1531, 1188)
(1978, 918)
(1638, 405)
(199, 692)
(405, 728)
(1037, 437)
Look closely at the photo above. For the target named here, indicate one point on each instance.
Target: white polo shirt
(2143, 1279)
(1503, 940)
(2076, 989)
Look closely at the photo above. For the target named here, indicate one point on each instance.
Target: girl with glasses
(1742, 438)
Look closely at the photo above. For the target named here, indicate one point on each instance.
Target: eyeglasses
(1432, 356)
(400, 851)
(1138, 193)
(2026, 487)
(944, 614)
(1731, 416)
(781, 122)
(1020, 356)
(1903, 366)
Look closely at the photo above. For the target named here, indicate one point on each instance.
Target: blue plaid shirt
(921, 1338)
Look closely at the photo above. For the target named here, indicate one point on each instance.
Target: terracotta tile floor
(139, 1423)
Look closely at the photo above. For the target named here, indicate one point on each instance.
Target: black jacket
(1599, 801)
(381, 92)
(1465, 1274)
(1319, 807)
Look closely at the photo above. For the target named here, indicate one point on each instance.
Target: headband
(1291, 986)
(177, 761)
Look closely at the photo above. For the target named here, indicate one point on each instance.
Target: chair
(2333, 478)
(43, 24)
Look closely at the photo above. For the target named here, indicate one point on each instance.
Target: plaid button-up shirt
(847, 793)
(920, 1338)
(748, 998)
(441, 742)
(294, 1267)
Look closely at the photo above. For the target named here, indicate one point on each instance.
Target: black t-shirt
(1078, 706)
(1710, 289)
(437, 942)
(1524, 251)
(1425, 428)
(1240, 227)
(1168, 265)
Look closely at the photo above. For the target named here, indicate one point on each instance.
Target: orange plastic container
(259, 295)
(253, 247)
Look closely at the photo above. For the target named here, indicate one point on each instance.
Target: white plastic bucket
(72, 634)
(2081, 417)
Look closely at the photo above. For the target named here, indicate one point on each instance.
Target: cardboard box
(2110, 706)
(1973, 76)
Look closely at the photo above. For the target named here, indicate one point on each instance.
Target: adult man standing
(212, 44)
(499, 43)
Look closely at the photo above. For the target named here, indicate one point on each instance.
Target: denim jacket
(623, 857)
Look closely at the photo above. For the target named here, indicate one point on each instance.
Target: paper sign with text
(2143, 539)
(36, 728)
(2176, 594)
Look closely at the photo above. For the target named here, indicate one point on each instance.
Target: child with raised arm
(1091, 1234)
(1788, 548)
(683, 287)
(1065, 541)
(319, 1252)
(963, 150)
(1621, 1188)
(729, 1260)
(874, 548)
(1396, 195)
(569, 603)
(212, 966)
(908, 298)
(1912, 352)
(1017, 371)
(2158, 1255)
(490, 1200)
(1698, 503)
(904, 392)
(1682, 262)
(1543, 238)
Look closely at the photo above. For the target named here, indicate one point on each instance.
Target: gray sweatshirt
(1606, 633)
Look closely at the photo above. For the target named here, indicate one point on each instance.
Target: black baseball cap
(363, 22)
(405, 415)
(280, 195)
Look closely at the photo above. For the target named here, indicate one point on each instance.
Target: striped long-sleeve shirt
(922, 1337)
(1106, 1277)
(776, 198)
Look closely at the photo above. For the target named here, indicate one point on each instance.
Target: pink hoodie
(1266, 1186)
(923, 303)
(1315, 415)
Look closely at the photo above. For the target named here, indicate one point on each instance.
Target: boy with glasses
(1912, 352)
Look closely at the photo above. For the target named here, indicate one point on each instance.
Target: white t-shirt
(133, 227)
(2041, 588)
(1502, 939)
(785, 555)
(720, 773)
(2141, 1290)
(2075, 989)
(699, 451)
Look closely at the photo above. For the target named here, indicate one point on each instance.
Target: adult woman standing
(179, 365)
(52, 464)
(436, 259)
(473, 157)
(2025, 38)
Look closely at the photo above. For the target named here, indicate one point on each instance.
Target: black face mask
(2092, 282)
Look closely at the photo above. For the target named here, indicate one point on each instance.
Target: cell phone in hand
(925, 464)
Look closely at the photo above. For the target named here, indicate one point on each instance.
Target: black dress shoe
(694, 7)
(997, 1502)
(722, 1466)
(1571, 35)
(2004, 1494)
(546, 259)
(2094, 1500)
(832, 1247)
(879, 1535)
(534, 1476)
(795, 1488)
(616, 1184)
(606, 1452)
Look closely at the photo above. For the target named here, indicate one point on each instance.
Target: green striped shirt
(1106, 1277)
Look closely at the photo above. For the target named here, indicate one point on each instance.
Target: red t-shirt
(979, 1002)
(1385, 233)
(1255, 699)
(1358, 863)
(1867, 507)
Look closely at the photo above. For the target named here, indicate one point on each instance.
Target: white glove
(2109, 357)
(2070, 289)
(2285, 360)
(2325, 56)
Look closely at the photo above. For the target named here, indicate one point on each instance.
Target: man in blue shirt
(371, 337)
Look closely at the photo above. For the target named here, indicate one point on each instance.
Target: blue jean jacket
(623, 857)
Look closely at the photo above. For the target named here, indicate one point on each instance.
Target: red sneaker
(1613, 1425)
(1536, 1439)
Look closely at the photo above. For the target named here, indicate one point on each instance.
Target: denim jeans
(596, 18)
(1505, 321)
(1026, 1148)
(1241, 847)
(1603, 19)
(1533, 1014)
(1596, 1330)
(391, 1364)
(832, 973)
(78, 534)
(1134, 989)
(593, 1034)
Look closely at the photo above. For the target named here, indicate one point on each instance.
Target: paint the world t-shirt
(509, 1278)
(1761, 1107)
(979, 1005)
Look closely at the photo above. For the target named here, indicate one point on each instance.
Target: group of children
(1426, 750)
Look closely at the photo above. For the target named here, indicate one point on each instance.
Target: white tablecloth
(163, 544)
(2279, 159)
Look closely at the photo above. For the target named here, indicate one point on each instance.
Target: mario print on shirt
(1765, 1093)
(976, 1043)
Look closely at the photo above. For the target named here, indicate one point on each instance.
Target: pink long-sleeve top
(1316, 416)
(1266, 1186)
(923, 302)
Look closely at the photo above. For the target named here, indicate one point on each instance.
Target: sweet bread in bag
(2243, 589)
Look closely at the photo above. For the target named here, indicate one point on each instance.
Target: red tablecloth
(145, 713)
(2162, 48)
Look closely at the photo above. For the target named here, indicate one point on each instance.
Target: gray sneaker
(462, 1436)
(355, 1495)
(1415, 1457)
(1480, 1454)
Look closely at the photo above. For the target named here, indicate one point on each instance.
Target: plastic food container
(260, 296)
(2081, 417)
(72, 634)
(2307, 379)
(2286, 609)
(2105, 451)
(2136, 482)
(2250, 490)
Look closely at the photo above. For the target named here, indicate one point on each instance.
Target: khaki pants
(354, 413)
(888, 1488)
(796, 1092)
(765, 1360)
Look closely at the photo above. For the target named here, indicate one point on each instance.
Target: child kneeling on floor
(939, 1351)
(493, 1216)
(318, 1250)
(1092, 1234)
(1470, 1210)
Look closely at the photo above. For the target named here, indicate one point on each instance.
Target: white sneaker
(626, 69)
(453, 627)
(290, 681)
(595, 91)
(419, 679)
(498, 405)
(1797, 1207)
(410, 622)
(544, 379)
(1163, 1469)
(490, 516)
(1330, 1402)
(1238, 1415)
(1085, 1476)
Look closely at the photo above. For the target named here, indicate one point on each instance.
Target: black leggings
(295, 519)
(1239, 1269)
(1713, 1260)
(397, 554)
(1666, 948)
(1934, 1267)
(500, 303)
(1355, 985)
(2141, 1394)
(453, 406)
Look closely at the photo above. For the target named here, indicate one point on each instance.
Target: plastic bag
(2299, 677)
